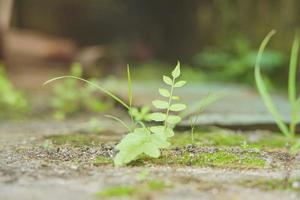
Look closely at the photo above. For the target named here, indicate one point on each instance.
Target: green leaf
(176, 71)
(160, 104)
(136, 143)
(130, 146)
(177, 107)
(162, 131)
(164, 92)
(167, 80)
(180, 84)
(173, 119)
(158, 117)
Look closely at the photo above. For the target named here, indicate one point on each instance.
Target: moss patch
(81, 139)
(180, 157)
(273, 184)
(102, 160)
(140, 189)
(118, 191)
(208, 139)
(229, 139)
(75, 139)
(219, 159)
(209, 149)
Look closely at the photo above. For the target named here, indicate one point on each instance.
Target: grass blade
(292, 85)
(263, 90)
(93, 84)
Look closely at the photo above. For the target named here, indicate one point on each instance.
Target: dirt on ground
(32, 166)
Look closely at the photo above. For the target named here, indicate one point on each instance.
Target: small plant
(12, 102)
(149, 140)
(288, 131)
(142, 139)
(69, 97)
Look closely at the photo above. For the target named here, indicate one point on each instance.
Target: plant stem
(93, 84)
(169, 103)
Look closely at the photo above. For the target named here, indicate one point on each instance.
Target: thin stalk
(120, 121)
(169, 102)
(93, 84)
(129, 82)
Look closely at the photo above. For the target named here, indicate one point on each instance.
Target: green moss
(118, 191)
(227, 139)
(102, 160)
(208, 139)
(218, 159)
(140, 189)
(157, 185)
(273, 141)
(273, 184)
(74, 139)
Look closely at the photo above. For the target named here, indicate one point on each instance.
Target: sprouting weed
(193, 123)
(288, 131)
(142, 139)
(149, 140)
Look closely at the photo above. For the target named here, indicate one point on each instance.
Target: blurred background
(215, 40)
(212, 36)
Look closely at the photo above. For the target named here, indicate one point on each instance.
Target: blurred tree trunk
(5, 15)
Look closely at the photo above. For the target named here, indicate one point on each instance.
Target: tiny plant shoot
(149, 140)
(288, 131)
(142, 139)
